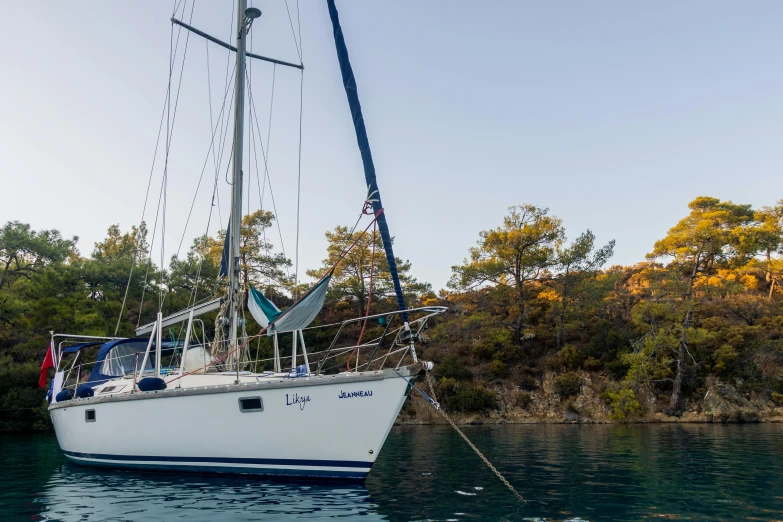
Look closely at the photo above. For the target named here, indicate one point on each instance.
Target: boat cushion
(151, 384)
(84, 391)
(65, 395)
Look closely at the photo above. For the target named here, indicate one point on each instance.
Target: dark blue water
(565, 472)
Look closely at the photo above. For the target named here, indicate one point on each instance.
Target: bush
(22, 405)
(591, 364)
(777, 398)
(568, 384)
(493, 341)
(622, 400)
(497, 368)
(569, 358)
(454, 368)
(465, 397)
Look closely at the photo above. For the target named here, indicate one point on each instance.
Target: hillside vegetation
(539, 327)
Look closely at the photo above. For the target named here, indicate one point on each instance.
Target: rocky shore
(721, 403)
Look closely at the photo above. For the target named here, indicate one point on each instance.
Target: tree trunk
(772, 288)
(520, 320)
(769, 267)
(564, 304)
(560, 329)
(675, 404)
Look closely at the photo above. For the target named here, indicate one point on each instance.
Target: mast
(245, 19)
(229, 261)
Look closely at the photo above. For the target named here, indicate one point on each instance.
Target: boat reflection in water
(76, 492)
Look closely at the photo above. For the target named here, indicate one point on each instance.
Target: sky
(614, 115)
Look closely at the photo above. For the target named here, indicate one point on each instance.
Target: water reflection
(75, 492)
(587, 473)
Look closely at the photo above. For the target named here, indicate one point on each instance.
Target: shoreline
(662, 419)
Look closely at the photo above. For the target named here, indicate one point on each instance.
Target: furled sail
(299, 316)
(224, 256)
(349, 82)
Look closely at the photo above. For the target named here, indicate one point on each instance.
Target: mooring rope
(433, 401)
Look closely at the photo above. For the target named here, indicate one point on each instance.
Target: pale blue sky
(612, 114)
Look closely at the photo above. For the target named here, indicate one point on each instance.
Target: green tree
(576, 263)
(771, 238)
(351, 278)
(258, 264)
(513, 255)
(715, 233)
(24, 252)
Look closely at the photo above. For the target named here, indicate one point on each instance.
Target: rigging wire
(369, 300)
(296, 43)
(261, 181)
(255, 130)
(194, 294)
(143, 212)
(299, 163)
(169, 137)
(266, 167)
(204, 166)
(238, 347)
(254, 117)
(217, 161)
(149, 183)
(299, 182)
(269, 128)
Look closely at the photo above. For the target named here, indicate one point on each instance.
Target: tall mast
(245, 18)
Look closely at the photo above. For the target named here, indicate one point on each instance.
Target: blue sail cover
(349, 82)
(224, 257)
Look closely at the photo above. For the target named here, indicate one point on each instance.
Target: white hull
(315, 426)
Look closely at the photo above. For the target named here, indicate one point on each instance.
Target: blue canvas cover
(78, 347)
(224, 256)
(117, 358)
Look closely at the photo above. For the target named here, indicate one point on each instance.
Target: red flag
(48, 363)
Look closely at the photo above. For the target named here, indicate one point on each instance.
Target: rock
(722, 403)
(571, 415)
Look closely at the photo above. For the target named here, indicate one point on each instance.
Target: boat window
(123, 357)
(89, 416)
(250, 404)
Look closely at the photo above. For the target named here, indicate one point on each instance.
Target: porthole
(250, 404)
(89, 416)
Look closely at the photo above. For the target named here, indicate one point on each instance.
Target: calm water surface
(577, 473)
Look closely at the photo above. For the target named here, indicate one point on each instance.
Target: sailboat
(211, 414)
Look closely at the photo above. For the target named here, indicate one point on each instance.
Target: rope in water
(434, 403)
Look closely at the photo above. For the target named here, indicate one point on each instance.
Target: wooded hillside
(539, 320)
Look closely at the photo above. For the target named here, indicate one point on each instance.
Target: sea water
(564, 472)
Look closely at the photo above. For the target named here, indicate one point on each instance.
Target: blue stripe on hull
(212, 465)
(227, 460)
